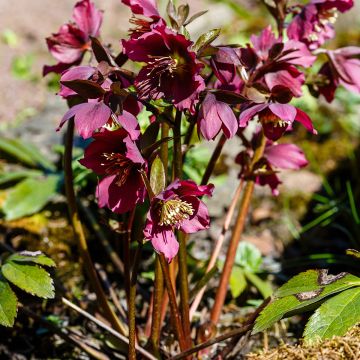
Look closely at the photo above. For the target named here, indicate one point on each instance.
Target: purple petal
(88, 117)
(304, 119)
(247, 114)
(285, 156)
(129, 122)
(190, 188)
(143, 7)
(200, 220)
(162, 238)
(132, 151)
(76, 73)
(210, 122)
(87, 17)
(284, 112)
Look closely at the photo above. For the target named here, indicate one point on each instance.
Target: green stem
(132, 304)
(183, 271)
(79, 232)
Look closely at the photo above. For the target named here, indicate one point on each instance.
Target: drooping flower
(72, 40)
(276, 156)
(314, 24)
(171, 71)
(176, 207)
(104, 103)
(147, 8)
(214, 116)
(275, 118)
(115, 157)
(343, 68)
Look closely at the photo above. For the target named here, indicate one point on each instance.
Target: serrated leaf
(85, 88)
(25, 152)
(206, 39)
(291, 304)
(237, 281)
(8, 304)
(36, 257)
(353, 252)
(29, 196)
(157, 176)
(334, 317)
(30, 278)
(311, 280)
(195, 16)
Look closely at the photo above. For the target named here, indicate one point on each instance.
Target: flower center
(174, 211)
(159, 70)
(325, 17)
(119, 165)
(274, 120)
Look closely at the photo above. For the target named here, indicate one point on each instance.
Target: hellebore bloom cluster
(116, 157)
(73, 39)
(313, 25)
(343, 68)
(171, 71)
(107, 102)
(276, 156)
(176, 207)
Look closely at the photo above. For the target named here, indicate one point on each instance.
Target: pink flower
(275, 118)
(343, 68)
(214, 116)
(73, 39)
(176, 207)
(171, 71)
(115, 157)
(104, 105)
(147, 8)
(314, 24)
(276, 156)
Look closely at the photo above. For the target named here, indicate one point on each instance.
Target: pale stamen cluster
(174, 211)
(326, 17)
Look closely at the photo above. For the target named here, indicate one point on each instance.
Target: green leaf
(8, 303)
(248, 256)
(292, 304)
(6, 177)
(27, 153)
(312, 280)
(36, 257)
(264, 287)
(334, 317)
(237, 281)
(30, 278)
(157, 176)
(206, 39)
(29, 196)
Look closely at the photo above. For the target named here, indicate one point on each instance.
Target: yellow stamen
(174, 211)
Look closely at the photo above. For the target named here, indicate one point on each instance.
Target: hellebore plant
(188, 87)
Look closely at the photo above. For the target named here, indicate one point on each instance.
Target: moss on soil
(338, 348)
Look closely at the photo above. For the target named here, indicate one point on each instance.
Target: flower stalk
(79, 232)
(236, 236)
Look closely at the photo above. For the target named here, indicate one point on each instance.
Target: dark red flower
(276, 156)
(171, 71)
(343, 68)
(314, 24)
(275, 118)
(176, 207)
(147, 8)
(115, 157)
(73, 39)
